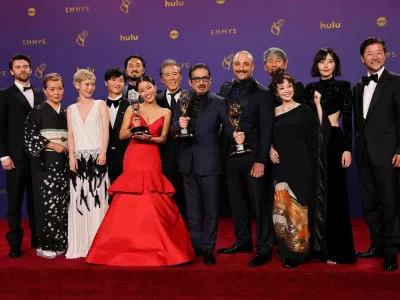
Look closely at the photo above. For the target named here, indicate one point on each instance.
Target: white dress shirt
(369, 92)
(113, 111)
(169, 97)
(29, 96)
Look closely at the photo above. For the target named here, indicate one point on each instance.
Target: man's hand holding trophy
(185, 132)
(235, 111)
(137, 130)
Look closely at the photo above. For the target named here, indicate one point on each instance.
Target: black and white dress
(44, 125)
(88, 187)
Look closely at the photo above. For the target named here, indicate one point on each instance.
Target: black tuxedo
(256, 122)
(377, 140)
(14, 109)
(117, 147)
(299, 96)
(126, 90)
(200, 164)
(168, 153)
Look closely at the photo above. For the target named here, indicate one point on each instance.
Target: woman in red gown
(143, 226)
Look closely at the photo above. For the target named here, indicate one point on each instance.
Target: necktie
(173, 101)
(367, 79)
(28, 88)
(113, 102)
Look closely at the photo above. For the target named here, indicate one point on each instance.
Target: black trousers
(245, 193)
(380, 198)
(201, 195)
(19, 181)
(114, 164)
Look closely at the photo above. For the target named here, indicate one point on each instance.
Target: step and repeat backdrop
(65, 35)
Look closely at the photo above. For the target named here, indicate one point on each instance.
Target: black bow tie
(132, 87)
(174, 94)
(28, 88)
(367, 79)
(113, 102)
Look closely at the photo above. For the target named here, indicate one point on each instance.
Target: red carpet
(32, 277)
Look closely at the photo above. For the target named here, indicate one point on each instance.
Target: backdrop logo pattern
(184, 65)
(33, 42)
(39, 70)
(90, 69)
(227, 62)
(175, 3)
(3, 192)
(127, 38)
(332, 25)
(76, 9)
(174, 34)
(124, 7)
(381, 21)
(31, 12)
(3, 73)
(276, 26)
(220, 1)
(80, 40)
(223, 31)
(390, 54)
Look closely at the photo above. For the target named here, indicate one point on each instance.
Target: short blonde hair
(82, 75)
(52, 77)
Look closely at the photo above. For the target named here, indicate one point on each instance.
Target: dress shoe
(46, 253)
(259, 260)
(198, 252)
(391, 262)
(370, 253)
(236, 249)
(291, 263)
(14, 253)
(209, 258)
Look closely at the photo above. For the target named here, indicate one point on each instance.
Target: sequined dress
(88, 188)
(338, 237)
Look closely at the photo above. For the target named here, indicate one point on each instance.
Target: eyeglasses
(198, 79)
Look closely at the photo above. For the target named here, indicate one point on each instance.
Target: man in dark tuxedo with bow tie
(117, 105)
(377, 127)
(171, 77)
(274, 59)
(245, 173)
(200, 161)
(16, 102)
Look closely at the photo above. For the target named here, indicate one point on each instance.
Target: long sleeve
(346, 111)
(309, 94)
(266, 115)
(33, 140)
(3, 125)
(223, 115)
(175, 121)
(397, 101)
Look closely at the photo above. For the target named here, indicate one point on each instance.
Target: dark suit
(377, 140)
(14, 109)
(299, 96)
(116, 147)
(168, 152)
(256, 123)
(200, 164)
(126, 90)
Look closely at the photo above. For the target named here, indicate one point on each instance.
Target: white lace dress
(88, 188)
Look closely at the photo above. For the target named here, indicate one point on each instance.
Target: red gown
(143, 226)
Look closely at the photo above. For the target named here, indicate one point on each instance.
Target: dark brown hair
(52, 77)
(278, 77)
(321, 55)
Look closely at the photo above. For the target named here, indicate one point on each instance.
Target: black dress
(45, 125)
(298, 139)
(336, 96)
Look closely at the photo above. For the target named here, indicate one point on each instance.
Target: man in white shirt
(16, 102)
(117, 105)
(377, 127)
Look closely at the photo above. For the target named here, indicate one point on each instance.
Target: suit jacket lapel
(380, 87)
(120, 115)
(38, 97)
(21, 97)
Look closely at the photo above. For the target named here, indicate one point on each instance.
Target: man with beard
(171, 77)
(276, 58)
(135, 67)
(377, 128)
(200, 161)
(245, 173)
(16, 102)
(114, 81)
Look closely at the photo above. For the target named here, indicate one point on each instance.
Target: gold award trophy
(133, 98)
(235, 110)
(184, 101)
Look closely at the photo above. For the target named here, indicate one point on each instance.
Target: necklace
(283, 109)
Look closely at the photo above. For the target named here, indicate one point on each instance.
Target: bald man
(245, 173)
